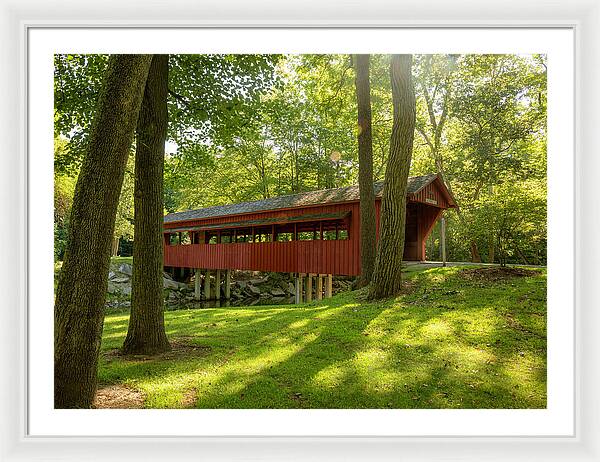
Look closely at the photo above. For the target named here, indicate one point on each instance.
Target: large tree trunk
(146, 332)
(81, 291)
(388, 265)
(365, 171)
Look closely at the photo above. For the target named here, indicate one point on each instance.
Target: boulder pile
(247, 288)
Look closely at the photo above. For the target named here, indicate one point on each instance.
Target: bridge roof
(305, 199)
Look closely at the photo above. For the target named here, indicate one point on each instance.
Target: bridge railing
(315, 256)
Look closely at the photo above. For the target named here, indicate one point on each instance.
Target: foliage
(64, 188)
(482, 124)
(124, 218)
(452, 341)
(247, 127)
(210, 96)
(514, 217)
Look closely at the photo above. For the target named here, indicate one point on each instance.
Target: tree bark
(387, 277)
(365, 171)
(491, 250)
(81, 291)
(115, 247)
(146, 331)
(475, 257)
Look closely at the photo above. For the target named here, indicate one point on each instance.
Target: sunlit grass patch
(449, 342)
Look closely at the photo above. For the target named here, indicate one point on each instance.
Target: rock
(258, 282)
(252, 290)
(125, 269)
(126, 290)
(120, 280)
(277, 292)
(170, 284)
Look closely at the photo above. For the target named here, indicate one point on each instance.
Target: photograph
(300, 231)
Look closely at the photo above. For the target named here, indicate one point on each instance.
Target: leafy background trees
(247, 127)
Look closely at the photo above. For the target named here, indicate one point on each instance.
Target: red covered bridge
(312, 233)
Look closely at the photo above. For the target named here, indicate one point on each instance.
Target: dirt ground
(123, 397)
(118, 397)
(496, 273)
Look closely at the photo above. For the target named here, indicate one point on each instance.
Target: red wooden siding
(315, 256)
(341, 257)
(432, 195)
(325, 257)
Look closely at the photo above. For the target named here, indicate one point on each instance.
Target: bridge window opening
(243, 235)
(184, 238)
(285, 237)
(264, 234)
(196, 237)
(301, 231)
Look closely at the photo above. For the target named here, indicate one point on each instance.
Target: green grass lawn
(455, 339)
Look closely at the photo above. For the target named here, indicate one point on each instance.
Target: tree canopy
(247, 127)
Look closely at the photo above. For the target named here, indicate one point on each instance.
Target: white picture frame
(583, 16)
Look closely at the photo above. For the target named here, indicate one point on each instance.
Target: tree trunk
(115, 247)
(365, 171)
(475, 257)
(491, 249)
(387, 277)
(146, 331)
(81, 291)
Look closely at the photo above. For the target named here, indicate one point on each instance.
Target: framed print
(503, 366)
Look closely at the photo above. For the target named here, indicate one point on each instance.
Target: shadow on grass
(445, 345)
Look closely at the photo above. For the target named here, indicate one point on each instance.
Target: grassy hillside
(457, 338)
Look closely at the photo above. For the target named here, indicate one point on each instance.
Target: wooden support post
(319, 287)
(197, 284)
(443, 240)
(329, 286)
(218, 285)
(207, 285)
(227, 284)
(309, 285)
(298, 281)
